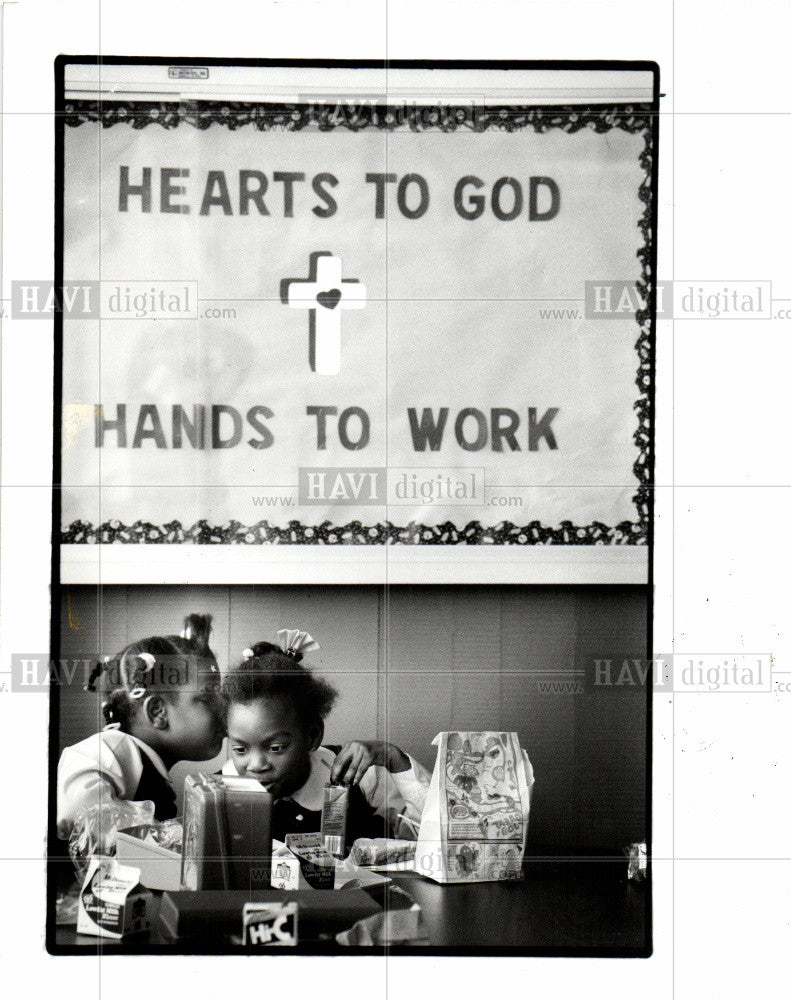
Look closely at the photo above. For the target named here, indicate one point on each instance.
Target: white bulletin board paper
(346, 323)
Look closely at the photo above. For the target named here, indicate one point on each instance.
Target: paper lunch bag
(474, 824)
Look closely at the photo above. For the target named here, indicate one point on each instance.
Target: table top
(560, 907)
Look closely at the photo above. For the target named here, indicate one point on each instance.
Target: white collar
(311, 794)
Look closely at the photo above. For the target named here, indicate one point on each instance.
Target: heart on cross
(329, 299)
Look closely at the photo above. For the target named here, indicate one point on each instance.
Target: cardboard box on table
(474, 823)
(159, 867)
(218, 912)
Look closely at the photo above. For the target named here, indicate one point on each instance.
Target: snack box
(112, 902)
(160, 868)
(214, 911)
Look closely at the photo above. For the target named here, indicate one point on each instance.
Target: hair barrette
(247, 654)
(130, 671)
(149, 659)
(294, 640)
(97, 670)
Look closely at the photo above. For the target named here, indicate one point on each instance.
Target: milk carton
(112, 901)
(303, 863)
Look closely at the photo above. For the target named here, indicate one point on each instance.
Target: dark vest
(153, 786)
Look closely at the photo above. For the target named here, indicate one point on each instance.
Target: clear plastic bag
(94, 830)
(66, 906)
(168, 834)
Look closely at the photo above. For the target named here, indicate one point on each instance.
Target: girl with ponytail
(275, 710)
(160, 704)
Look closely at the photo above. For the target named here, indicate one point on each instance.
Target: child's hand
(356, 757)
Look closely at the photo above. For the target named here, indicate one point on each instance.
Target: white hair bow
(293, 640)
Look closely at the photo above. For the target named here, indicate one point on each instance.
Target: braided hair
(126, 678)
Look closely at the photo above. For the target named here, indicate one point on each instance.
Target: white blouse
(103, 768)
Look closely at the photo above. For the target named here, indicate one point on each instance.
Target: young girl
(275, 712)
(160, 702)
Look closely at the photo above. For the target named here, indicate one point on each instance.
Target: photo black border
(54, 847)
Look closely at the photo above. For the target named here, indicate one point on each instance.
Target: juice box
(334, 811)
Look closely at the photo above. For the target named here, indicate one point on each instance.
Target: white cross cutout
(325, 294)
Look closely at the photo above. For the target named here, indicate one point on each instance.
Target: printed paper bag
(474, 824)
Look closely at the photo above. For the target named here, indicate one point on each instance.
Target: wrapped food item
(381, 851)
(399, 922)
(168, 834)
(95, 829)
(67, 906)
(474, 823)
(637, 857)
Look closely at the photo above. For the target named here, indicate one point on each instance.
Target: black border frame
(53, 849)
